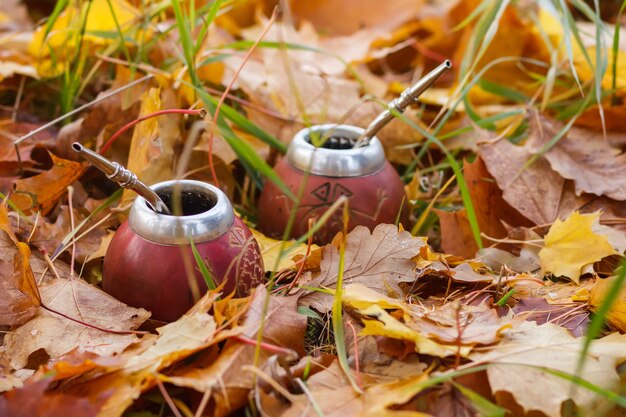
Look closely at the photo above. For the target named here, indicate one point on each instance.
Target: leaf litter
(435, 322)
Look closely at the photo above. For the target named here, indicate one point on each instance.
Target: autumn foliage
(503, 294)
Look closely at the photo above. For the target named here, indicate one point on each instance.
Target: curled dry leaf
(379, 260)
(141, 363)
(225, 378)
(514, 368)
(152, 146)
(617, 314)
(534, 191)
(42, 191)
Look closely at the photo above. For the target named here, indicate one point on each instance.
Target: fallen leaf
(378, 322)
(194, 331)
(53, 47)
(225, 377)
(616, 316)
(49, 236)
(21, 299)
(527, 261)
(379, 260)
(569, 316)
(534, 191)
(41, 192)
(32, 400)
(278, 256)
(456, 234)
(492, 212)
(57, 335)
(152, 147)
(526, 346)
(584, 157)
(467, 325)
(571, 244)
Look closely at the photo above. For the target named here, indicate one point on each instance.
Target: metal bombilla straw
(407, 97)
(123, 177)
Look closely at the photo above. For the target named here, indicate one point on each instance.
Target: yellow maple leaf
(571, 244)
(277, 256)
(52, 47)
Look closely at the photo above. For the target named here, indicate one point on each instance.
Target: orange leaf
(42, 191)
(21, 298)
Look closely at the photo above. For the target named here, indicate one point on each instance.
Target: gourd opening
(187, 202)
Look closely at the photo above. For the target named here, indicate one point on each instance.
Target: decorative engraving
(322, 192)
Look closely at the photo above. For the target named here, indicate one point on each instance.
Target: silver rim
(335, 162)
(175, 230)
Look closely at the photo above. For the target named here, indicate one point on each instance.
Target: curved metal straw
(123, 177)
(407, 97)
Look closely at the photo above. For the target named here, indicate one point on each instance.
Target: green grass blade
(253, 163)
(483, 406)
(184, 33)
(615, 51)
(247, 126)
(337, 316)
(502, 91)
(210, 17)
(204, 270)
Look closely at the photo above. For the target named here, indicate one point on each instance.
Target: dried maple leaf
(278, 255)
(514, 362)
(379, 260)
(572, 244)
(57, 335)
(42, 191)
(584, 157)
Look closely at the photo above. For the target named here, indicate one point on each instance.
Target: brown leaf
(379, 260)
(58, 335)
(567, 315)
(32, 400)
(48, 236)
(464, 324)
(456, 234)
(492, 212)
(142, 362)
(584, 157)
(332, 391)
(21, 298)
(535, 192)
(42, 191)
(529, 345)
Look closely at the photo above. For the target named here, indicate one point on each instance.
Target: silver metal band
(335, 162)
(176, 230)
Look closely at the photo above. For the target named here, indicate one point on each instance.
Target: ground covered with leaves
(503, 295)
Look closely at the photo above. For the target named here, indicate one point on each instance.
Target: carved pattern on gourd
(247, 264)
